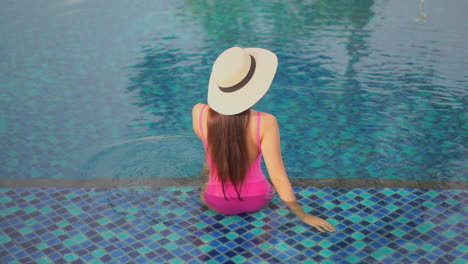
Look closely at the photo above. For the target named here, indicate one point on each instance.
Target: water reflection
(351, 106)
(151, 157)
(362, 90)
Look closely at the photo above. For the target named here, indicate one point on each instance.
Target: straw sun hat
(240, 78)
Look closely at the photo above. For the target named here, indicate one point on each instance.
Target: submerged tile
(170, 225)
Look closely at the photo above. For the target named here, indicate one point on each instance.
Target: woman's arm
(271, 149)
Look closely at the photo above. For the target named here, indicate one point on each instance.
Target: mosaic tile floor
(74, 225)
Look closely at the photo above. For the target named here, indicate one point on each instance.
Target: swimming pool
(370, 97)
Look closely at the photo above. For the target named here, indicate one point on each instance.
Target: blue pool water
(95, 127)
(363, 90)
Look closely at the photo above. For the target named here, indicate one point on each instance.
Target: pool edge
(198, 181)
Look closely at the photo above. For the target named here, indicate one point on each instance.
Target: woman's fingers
(319, 228)
(325, 225)
(319, 223)
(328, 226)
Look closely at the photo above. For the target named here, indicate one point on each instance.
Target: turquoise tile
(105, 234)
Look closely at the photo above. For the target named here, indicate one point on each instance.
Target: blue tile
(278, 229)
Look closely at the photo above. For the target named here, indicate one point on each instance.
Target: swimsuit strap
(259, 115)
(201, 125)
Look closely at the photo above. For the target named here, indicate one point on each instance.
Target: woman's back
(251, 140)
(255, 191)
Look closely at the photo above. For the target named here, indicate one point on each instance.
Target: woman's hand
(311, 220)
(318, 223)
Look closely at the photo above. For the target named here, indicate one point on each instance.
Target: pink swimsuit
(256, 191)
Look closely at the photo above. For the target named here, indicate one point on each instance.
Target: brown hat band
(244, 81)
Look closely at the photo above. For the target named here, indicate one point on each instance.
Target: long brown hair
(227, 145)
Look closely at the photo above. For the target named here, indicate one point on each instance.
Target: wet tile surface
(141, 225)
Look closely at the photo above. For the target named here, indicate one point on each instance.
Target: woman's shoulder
(268, 118)
(268, 122)
(197, 108)
(268, 129)
(195, 116)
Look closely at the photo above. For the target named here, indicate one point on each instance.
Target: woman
(235, 137)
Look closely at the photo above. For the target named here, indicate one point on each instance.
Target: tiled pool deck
(374, 225)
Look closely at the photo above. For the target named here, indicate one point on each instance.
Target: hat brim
(244, 98)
